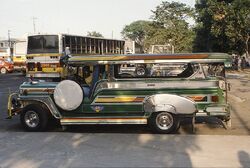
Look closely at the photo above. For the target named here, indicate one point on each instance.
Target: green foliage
(222, 26)
(172, 17)
(137, 31)
(94, 34)
(168, 26)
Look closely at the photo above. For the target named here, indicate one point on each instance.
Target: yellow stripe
(113, 58)
(48, 70)
(118, 99)
(44, 55)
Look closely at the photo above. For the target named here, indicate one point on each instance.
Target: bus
(158, 90)
(44, 52)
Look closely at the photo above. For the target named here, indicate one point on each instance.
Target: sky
(107, 17)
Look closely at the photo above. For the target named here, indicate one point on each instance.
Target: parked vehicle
(6, 66)
(173, 87)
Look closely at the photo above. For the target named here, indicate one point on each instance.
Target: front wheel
(164, 122)
(3, 70)
(34, 117)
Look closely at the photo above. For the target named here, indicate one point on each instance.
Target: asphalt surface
(128, 146)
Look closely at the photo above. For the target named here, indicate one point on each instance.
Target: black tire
(39, 115)
(140, 71)
(164, 122)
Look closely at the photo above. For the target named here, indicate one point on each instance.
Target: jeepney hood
(37, 87)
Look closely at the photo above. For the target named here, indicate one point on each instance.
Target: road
(129, 146)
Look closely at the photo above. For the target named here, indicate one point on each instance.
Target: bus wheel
(3, 70)
(164, 122)
(34, 117)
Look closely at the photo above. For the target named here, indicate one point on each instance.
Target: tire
(164, 122)
(140, 71)
(3, 70)
(39, 116)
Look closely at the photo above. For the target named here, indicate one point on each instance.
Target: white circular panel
(68, 95)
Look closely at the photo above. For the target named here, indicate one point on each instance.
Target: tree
(238, 27)
(174, 28)
(137, 31)
(222, 26)
(168, 26)
(94, 34)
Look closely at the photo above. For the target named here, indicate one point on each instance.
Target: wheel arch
(171, 103)
(44, 101)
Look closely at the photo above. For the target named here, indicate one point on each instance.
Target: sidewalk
(122, 150)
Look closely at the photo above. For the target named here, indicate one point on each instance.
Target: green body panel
(87, 108)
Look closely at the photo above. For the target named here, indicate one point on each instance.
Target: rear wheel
(164, 122)
(34, 117)
(3, 70)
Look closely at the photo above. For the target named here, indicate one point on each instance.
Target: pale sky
(73, 16)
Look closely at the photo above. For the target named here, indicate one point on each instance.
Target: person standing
(243, 63)
(236, 60)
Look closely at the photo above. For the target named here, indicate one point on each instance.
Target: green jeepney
(154, 89)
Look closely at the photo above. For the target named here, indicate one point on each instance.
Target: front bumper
(216, 110)
(14, 107)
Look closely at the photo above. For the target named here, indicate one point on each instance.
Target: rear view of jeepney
(166, 90)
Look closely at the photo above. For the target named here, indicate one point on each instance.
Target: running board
(81, 121)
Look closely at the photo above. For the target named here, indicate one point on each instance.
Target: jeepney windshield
(156, 70)
(214, 70)
(43, 44)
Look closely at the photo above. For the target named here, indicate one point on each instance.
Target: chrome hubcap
(3, 70)
(164, 121)
(31, 118)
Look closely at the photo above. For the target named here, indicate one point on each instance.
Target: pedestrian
(239, 63)
(243, 63)
(232, 62)
(236, 60)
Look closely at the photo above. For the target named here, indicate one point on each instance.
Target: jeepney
(166, 89)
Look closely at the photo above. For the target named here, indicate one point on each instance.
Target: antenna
(34, 24)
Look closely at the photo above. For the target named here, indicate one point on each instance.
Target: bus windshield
(43, 44)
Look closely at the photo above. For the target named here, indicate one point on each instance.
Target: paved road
(19, 150)
(126, 146)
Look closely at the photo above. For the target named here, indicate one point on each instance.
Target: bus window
(43, 44)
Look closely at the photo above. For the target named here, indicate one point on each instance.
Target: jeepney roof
(149, 58)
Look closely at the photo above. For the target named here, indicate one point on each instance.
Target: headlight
(222, 85)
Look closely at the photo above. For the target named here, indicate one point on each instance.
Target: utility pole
(34, 24)
(9, 45)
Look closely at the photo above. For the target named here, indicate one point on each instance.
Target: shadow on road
(244, 159)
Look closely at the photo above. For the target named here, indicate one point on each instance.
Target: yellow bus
(45, 50)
